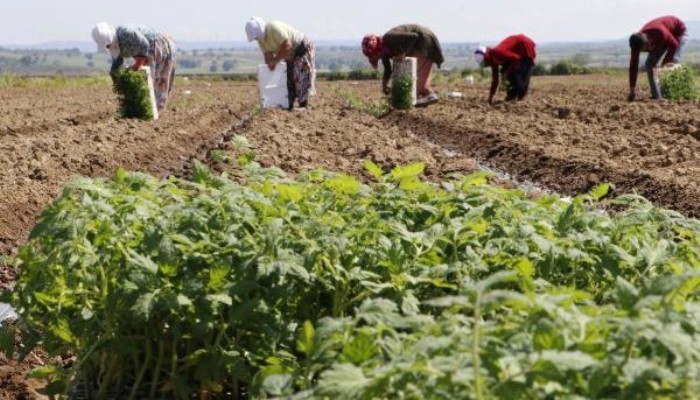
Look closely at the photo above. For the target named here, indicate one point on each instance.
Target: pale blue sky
(34, 21)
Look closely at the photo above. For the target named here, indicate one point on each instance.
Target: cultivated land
(570, 135)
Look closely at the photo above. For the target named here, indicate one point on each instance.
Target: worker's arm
(633, 72)
(272, 59)
(494, 82)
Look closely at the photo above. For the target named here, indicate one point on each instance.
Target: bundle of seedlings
(133, 93)
(402, 92)
(678, 84)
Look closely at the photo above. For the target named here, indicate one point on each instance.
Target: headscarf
(255, 28)
(105, 35)
(480, 54)
(372, 46)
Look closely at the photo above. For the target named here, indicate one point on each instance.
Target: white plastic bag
(272, 86)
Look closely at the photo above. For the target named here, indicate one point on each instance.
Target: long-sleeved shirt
(134, 41)
(407, 39)
(512, 48)
(664, 32)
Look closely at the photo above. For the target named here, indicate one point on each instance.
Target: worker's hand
(138, 62)
(271, 60)
(399, 57)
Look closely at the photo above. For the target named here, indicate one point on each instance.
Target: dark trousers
(653, 60)
(518, 80)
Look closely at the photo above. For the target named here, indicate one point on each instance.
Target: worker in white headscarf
(280, 42)
(146, 47)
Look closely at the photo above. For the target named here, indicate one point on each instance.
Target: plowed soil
(569, 135)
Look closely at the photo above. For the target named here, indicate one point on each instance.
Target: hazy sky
(34, 21)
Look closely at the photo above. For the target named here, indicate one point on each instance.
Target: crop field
(569, 137)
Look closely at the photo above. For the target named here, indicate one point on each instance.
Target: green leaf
(362, 348)
(183, 300)
(144, 304)
(218, 276)
(547, 336)
(200, 172)
(44, 372)
(400, 173)
(344, 380)
(656, 255)
(566, 360)
(627, 294)
(61, 328)
(290, 192)
(305, 343)
(277, 385)
(374, 170)
(524, 267)
(478, 178)
(142, 262)
(411, 183)
(600, 191)
(344, 184)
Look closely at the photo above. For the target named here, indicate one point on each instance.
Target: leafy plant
(326, 287)
(133, 94)
(678, 84)
(402, 92)
(377, 108)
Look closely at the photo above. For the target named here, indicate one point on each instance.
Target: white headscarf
(105, 34)
(255, 28)
(479, 54)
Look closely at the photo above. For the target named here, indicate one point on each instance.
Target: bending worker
(516, 57)
(147, 47)
(409, 40)
(661, 36)
(280, 42)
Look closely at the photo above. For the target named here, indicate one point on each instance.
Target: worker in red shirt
(516, 57)
(661, 36)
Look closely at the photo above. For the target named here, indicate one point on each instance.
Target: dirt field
(571, 134)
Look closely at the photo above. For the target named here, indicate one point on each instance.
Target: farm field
(570, 135)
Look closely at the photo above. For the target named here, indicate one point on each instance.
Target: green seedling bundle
(133, 93)
(402, 92)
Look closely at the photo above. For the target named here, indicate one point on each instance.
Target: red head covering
(372, 47)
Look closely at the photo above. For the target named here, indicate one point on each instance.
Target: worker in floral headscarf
(281, 42)
(409, 40)
(516, 57)
(147, 47)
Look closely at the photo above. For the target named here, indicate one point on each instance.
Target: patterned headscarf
(372, 47)
(105, 35)
(255, 28)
